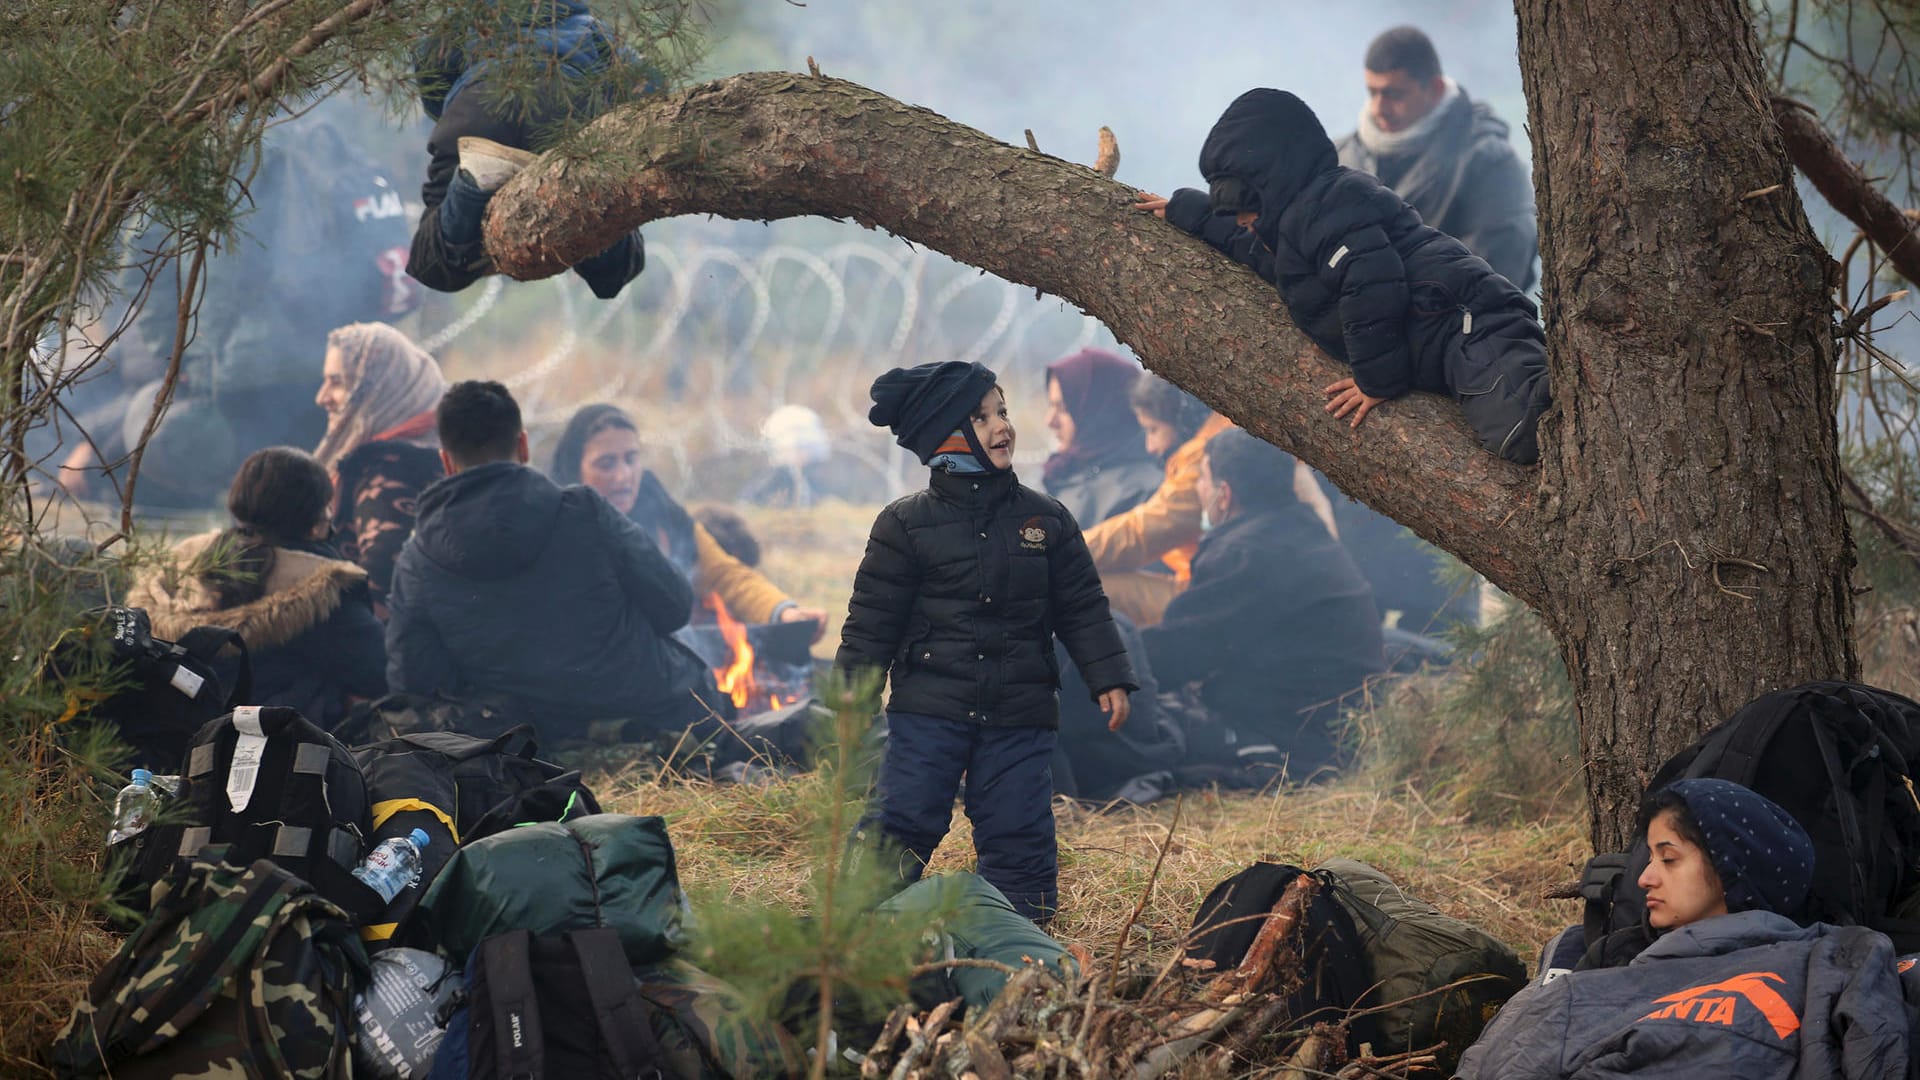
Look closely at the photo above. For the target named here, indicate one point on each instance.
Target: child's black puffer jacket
(961, 590)
(1407, 306)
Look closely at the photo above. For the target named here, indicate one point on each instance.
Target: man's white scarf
(1395, 143)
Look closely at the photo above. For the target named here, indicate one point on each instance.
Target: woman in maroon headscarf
(1100, 466)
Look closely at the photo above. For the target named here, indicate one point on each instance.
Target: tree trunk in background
(1693, 483)
(1683, 538)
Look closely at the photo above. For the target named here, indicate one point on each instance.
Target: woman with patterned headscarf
(379, 391)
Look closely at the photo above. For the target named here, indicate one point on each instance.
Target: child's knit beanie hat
(925, 404)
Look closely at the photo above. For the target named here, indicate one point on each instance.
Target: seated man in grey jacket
(542, 598)
(1446, 154)
(1733, 986)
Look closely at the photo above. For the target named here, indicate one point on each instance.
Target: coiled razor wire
(761, 364)
(489, 295)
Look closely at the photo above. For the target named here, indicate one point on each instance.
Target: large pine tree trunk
(1684, 536)
(1692, 478)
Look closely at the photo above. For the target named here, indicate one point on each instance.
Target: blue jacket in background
(564, 52)
(1748, 995)
(564, 30)
(543, 598)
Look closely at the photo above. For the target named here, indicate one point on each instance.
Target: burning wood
(736, 679)
(761, 666)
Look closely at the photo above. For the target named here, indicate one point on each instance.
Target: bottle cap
(142, 776)
(419, 837)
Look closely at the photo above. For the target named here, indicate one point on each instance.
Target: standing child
(959, 597)
(1406, 306)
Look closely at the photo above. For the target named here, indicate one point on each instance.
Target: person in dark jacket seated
(960, 594)
(1277, 624)
(471, 83)
(304, 612)
(1732, 986)
(1101, 466)
(546, 599)
(1405, 305)
(1445, 153)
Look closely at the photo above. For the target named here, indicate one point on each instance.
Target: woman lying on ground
(601, 449)
(379, 390)
(1732, 986)
(304, 613)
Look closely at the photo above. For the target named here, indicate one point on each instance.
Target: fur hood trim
(303, 591)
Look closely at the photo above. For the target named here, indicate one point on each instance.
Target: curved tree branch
(772, 145)
(1844, 186)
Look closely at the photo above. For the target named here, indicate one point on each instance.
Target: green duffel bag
(613, 870)
(1412, 949)
(973, 921)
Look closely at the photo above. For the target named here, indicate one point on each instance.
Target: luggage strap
(618, 1010)
(204, 643)
(519, 1043)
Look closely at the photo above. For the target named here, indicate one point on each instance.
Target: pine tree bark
(1683, 537)
(1692, 481)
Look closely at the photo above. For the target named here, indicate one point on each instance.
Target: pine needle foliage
(852, 959)
(123, 113)
(145, 117)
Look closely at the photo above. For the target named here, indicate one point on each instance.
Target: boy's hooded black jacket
(960, 593)
(1360, 274)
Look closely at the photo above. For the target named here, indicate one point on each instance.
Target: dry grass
(745, 843)
(749, 843)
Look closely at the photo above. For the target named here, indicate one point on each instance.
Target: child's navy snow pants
(1009, 800)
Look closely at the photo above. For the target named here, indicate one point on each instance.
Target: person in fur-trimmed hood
(1405, 305)
(305, 613)
(962, 590)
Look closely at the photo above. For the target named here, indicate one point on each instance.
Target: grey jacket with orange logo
(1748, 995)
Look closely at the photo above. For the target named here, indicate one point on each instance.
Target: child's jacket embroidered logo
(1032, 535)
(1714, 1003)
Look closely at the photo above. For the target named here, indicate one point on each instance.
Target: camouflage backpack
(237, 973)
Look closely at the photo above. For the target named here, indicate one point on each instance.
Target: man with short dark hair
(1277, 624)
(542, 598)
(1445, 154)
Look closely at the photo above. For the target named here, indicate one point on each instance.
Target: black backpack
(1835, 755)
(168, 689)
(297, 798)
(458, 788)
(562, 1005)
(1333, 972)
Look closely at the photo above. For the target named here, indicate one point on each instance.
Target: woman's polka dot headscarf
(1763, 856)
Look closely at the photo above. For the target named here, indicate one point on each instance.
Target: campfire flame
(736, 679)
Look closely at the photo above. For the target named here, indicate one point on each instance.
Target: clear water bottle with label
(394, 865)
(133, 808)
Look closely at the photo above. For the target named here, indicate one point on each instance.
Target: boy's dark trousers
(1009, 800)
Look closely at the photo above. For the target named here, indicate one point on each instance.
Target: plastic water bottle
(133, 808)
(394, 865)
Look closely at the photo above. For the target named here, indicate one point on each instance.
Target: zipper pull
(1466, 321)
